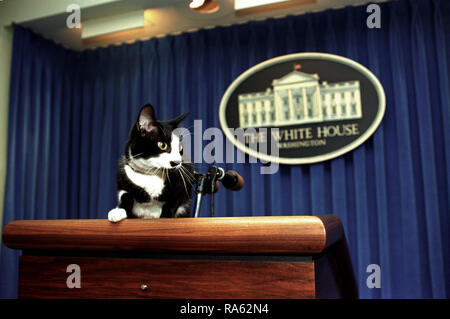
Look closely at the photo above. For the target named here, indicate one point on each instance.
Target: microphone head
(240, 182)
(232, 180)
(216, 187)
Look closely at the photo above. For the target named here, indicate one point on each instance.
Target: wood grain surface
(287, 235)
(45, 277)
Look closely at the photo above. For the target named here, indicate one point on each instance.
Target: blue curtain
(70, 113)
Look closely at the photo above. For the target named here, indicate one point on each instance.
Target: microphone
(208, 184)
(231, 179)
(202, 186)
(216, 187)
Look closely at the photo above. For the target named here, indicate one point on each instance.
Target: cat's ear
(147, 121)
(177, 121)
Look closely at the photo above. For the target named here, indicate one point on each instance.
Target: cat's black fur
(142, 143)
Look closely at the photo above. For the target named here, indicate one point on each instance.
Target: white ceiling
(48, 17)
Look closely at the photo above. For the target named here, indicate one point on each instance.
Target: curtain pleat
(441, 38)
(70, 114)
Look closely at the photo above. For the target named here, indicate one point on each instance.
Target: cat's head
(155, 144)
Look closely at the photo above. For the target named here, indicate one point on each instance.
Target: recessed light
(196, 4)
(204, 6)
(246, 7)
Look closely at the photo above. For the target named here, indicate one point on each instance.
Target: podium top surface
(290, 235)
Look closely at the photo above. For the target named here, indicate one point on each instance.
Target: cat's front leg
(123, 210)
(183, 210)
(177, 210)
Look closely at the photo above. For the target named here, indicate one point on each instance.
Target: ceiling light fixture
(204, 6)
(196, 4)
(247, 7)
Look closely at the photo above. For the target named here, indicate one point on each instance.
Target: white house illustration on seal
(299, 98)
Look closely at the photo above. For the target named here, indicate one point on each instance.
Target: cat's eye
(181, 149)
(162, 146)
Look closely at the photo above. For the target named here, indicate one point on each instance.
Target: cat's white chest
(151, 209)
(152, 184)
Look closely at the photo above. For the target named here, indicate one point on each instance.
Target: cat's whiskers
(167, 173)
(135, 155)
(145, 169)
(187, 174)
(155, 171)
(142, 166)
(182, 178)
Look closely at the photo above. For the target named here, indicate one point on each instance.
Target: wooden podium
(210, 258)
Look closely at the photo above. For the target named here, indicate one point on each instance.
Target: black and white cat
(152, 179)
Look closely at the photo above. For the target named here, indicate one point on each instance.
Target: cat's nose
(175, 163)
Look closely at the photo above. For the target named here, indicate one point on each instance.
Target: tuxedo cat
(152, 179)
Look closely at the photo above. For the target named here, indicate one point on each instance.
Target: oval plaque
(310, 107)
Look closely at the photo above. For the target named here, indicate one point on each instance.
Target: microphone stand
(206, 185)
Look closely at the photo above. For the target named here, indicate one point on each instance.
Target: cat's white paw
(116, 215)
(181, 211)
